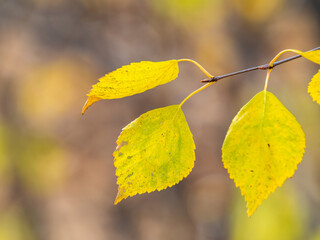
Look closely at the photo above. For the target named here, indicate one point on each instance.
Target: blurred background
(57, 179)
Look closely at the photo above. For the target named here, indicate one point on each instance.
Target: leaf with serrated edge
(132, 79)
(154, 152)
(262, 148)
(314, 87)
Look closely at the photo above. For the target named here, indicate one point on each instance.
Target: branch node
(261, 67)
(266, 67)
(213, 79)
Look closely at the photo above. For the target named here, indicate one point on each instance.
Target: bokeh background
(57, 178)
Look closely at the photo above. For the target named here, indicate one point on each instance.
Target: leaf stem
(267, 79)
(268, 67)
(195, 92)
(271, 65)
(198, 65)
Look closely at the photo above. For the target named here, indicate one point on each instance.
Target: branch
(261, 67)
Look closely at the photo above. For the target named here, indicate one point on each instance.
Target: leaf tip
(91, 100)
(250, 211)
(117, 200)
(119, 196)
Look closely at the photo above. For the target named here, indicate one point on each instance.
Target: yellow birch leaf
(154, 152)
(262, 148)
(314, 88)
(91, 100)
(313, 56)
(132, 79)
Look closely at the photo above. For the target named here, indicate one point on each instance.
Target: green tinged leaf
(262, 148)
(154, 152)
(132, 79)
(314, 87)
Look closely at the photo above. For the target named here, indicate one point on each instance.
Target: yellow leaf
(314, 88)
(313, 56)
(154, 152)
(262, 148)
(132, 79)
(91, 100)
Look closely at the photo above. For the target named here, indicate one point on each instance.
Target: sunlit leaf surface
(132, 79)
(154, 152)
(314, 88)
(313, 56)
(263, 147)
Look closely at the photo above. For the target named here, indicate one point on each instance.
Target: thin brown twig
(261, 67)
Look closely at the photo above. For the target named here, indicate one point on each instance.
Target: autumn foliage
(262, 148)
